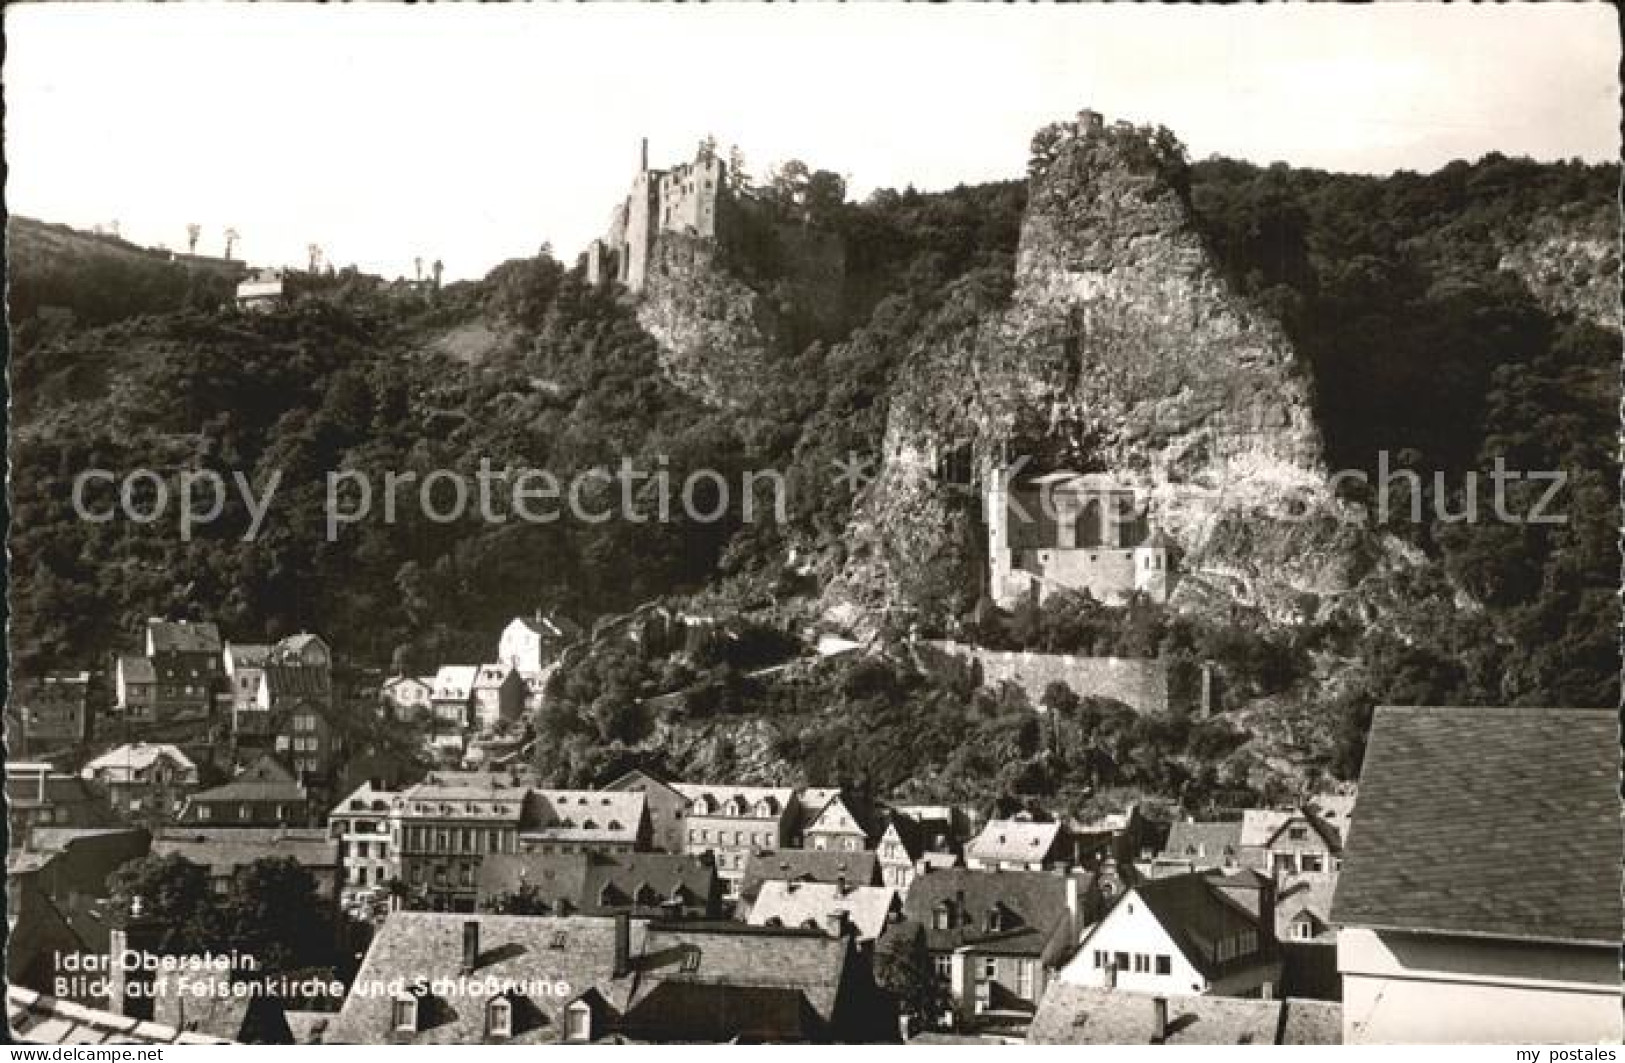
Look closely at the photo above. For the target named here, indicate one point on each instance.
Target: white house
(407, 696)
(1480, 899)
(1185, 935)
(529, 643)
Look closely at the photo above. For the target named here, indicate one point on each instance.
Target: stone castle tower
(684, 199)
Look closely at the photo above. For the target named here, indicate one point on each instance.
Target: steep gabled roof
(136, 756)
(794, 904)
(174, 636)
(224, 849)
(1032, 904)
(296, 681)
(529, 951)
(41, 1020)
(1085, 1015)
(136, 669)
(1014, 841)
(1203, 841)
(1492, 822)
(809, 865)
(808, 963)
(1195, 910)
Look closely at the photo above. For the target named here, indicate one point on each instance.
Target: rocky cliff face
(1570, 262)
(1124, 350)
(717, 335)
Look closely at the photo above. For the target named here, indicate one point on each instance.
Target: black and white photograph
(773, 524)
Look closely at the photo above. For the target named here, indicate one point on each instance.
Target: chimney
(623, 945)
(1159, 1020)
(643, 157)
(130, 983)
(835, 923)
(1266, 912)
(1073, 906)
(471, 945)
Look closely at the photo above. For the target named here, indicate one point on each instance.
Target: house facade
(145, 782)
(186, 664)
(663, 803)
(264, 794)
(442, 828)
(360, 824)
(732, 822)
(1479, 899)
(48, 713)
(997, 938)
(1185, 935)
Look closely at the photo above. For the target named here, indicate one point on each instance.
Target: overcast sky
(473, 134)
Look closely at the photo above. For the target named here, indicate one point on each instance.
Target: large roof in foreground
(1491, 822)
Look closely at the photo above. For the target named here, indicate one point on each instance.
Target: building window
(942, 918)
(943, 966)
(990, 968)
(1120, 961)
(1165, 965)
(1298, 834)
(1311, 862)
(1024, 979)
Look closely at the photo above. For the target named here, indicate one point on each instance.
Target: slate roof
(137, 669)
(806, 962)
(224, 849)
(530, 951)
(1260, 826)
(200, 1001)
(171, 636)
(1032, 905)
(809, 865)
(552, 877)
(1084, 1015)
(797, 904)
(1014, 840)
(309, 1027)
(1304, 893)
(248, 654)
(720, 795)
(584, 815)
(252, 788)
(41, 1020)
(296, 681)
(581, 878)
(1490, 822)
(136, 756)
(454, 681)
(1205, 844)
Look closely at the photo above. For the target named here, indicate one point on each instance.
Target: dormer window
(942, 918)
(578, 1022)
(499, 1017)
(404, 1009)
(995, 920)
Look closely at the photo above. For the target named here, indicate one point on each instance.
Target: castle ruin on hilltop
(684, 199)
